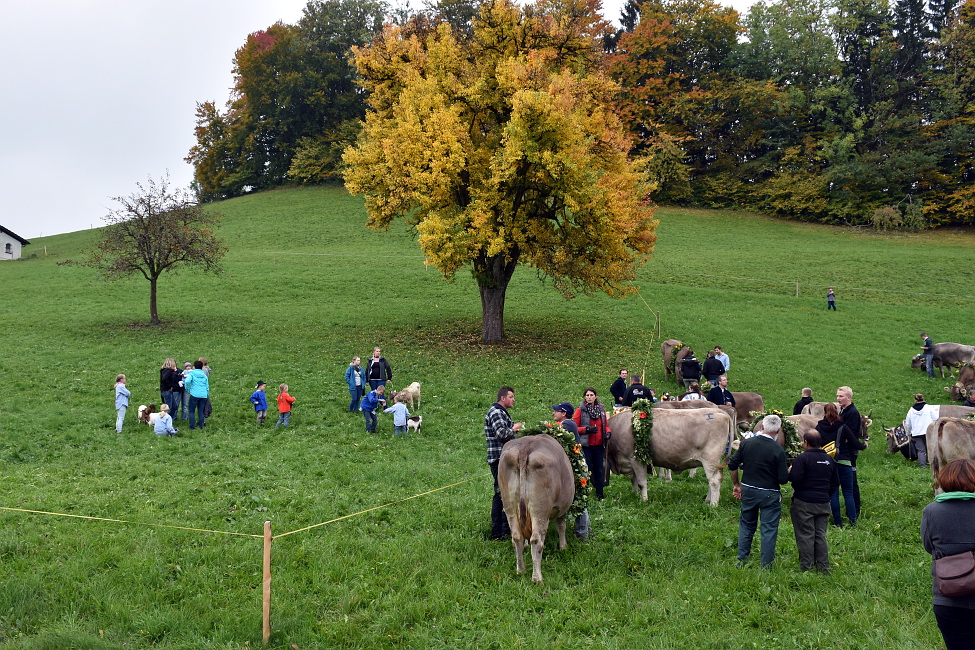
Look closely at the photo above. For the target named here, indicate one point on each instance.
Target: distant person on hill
(284, 406)
(122, 395)
(184, 404)
(618, 389)
(198, 385)
(378, 371)
(723, 358)
(927, 351)
(801, 404)
(355, 377)
(169, 378)
(259, 400)
(830, 299)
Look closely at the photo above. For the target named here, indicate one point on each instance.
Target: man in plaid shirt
(498, 429)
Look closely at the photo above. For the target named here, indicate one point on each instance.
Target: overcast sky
(101, 94)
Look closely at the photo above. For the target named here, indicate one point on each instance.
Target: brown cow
(666, 474)
(682, 439)
(803, 423)
(948, 439)
(537, 485)
(666, 352)
(964, 384)
(745, 403)
(947, 355)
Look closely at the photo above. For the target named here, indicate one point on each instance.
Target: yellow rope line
(123, 521)
(385, 505)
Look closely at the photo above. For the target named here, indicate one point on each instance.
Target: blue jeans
(196, 408)
(371, 420)
(929, 364)
(846, 485)
(376, 383)
(400, 430)
(171, 399)
(356, 395)
(768, 503)
(283, 419)
(184, 405)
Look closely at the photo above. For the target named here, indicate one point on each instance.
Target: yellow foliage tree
(505, 148)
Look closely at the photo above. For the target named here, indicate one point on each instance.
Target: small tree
(156, 229)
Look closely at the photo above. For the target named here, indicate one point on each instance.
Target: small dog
(414, 423)
(145, 412)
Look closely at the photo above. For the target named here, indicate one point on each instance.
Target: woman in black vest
(590, 417)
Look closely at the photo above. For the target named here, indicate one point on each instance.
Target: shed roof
(23, 242)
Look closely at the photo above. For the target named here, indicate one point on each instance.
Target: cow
(944, 411)
(666, 353)
(681, 439)
(537, 486)
(816, 409)
(948, 439)
(947, 355)
(803, 423)
(745, 403)
(964, 384)
(666, 474)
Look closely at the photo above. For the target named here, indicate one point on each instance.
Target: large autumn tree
(504, 148)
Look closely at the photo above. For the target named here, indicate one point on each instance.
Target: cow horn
(870, 414)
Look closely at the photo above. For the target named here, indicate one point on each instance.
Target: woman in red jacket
(591, 420)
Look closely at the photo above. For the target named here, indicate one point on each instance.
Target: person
(198, 385)
(693, 393)
(184, 402)
(971, 399)
(946, 529)
(720, 393)
(370, 403)
(814, 477)
(723, 358)
(259, 400)
(618, 389)
(690, 369)
(807, 398)
(927, 351)
(499, 429)
(713, 368)
(164, 424)
(832, 428)
(400, 415)
(830, 299)
(206, 365)
(919, 416)
(122, 395)
(285, 402)
(851, 418)
(377, 370)
(355, 377)
(765, 470)
(590, 417)
(169, 379)
(636, 391)
(562, 414)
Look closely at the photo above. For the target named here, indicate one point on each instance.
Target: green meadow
(306, 287)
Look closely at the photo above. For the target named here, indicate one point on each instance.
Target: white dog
(414, 423)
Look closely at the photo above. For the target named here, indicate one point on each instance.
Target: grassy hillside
(306, 287)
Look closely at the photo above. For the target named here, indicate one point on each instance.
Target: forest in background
(858, 112)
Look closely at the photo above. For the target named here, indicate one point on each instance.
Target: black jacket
(380, 367)
(713, 368)
(797, 409)
(814, 476)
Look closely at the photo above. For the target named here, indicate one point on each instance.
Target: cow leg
(538, 545)
(560, 529)
(692, 473)
(519, 543)
(639, 480)
(714, 485)
(665, 474)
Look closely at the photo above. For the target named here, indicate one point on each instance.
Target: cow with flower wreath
(673, 439)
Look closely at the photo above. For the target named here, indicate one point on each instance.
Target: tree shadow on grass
(463, 336)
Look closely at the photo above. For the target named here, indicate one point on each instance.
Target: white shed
(10, 244)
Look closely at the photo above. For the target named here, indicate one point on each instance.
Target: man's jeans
(929, 364)
(846, 485)
(768, 503)
(196, 408)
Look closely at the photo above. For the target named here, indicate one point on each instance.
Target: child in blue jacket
(369, 404)
(259, 400)
(400, 414)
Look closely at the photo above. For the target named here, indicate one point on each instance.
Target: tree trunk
(153, 312)
(492, 275)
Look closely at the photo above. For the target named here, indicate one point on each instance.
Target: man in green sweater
(764, 462)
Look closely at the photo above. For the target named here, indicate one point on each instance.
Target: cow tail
(524, 520)
(935, 458)
(732, 429)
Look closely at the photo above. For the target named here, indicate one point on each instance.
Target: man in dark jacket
(720, 393)
(851, 418)
(971, 399)
(814, 477)
(765, 470)
(927, 351)
(690, 369)
(618, 389)
(713, 368)
(636, 391)
(806, 399)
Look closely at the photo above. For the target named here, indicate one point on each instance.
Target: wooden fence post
(267, 582)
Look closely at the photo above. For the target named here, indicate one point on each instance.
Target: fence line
(123, 521)
(820, 285)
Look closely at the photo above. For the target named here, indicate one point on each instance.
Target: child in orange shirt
(284, 405)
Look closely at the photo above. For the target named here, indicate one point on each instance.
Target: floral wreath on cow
(673, 358)
(580, 471)
(642, 413)
(793, 441)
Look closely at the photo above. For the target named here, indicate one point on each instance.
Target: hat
(565, 407)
